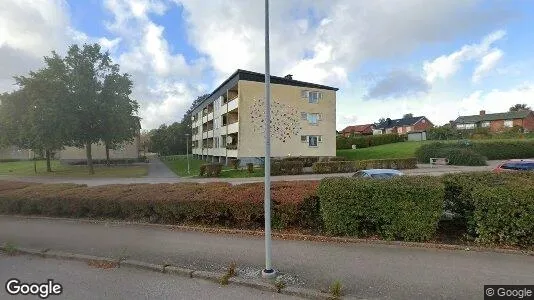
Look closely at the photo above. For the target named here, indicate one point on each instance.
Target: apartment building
(230, 122)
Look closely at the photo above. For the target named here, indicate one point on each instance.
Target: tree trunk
(107, 155)
(48, 166)
(89, 158)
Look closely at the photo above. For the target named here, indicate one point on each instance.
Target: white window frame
(309, 117)
(509, 123)
(314, 97)
(485, 124)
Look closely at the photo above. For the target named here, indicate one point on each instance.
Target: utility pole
(268, 272)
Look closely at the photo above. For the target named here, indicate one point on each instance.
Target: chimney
(289, 76)
(482, 112)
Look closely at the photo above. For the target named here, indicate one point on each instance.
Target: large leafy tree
(519, 107)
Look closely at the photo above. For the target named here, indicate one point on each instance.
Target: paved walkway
(80, 281)
(157, 169)
(366, 271)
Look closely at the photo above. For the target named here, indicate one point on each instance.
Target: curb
(172, 270)
(290, 236)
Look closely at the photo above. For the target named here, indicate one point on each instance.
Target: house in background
(366, 129)
(403, 126)
(229, 123)
(497, 122)
(127, 151)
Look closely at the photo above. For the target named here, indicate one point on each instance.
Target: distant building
(403, 126)
(366, 129)
(14, 152)
(497, 122)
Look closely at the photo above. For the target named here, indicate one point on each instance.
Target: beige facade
(13, 152)
(230, 123)
(98, 151)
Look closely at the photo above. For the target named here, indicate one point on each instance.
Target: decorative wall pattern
(285, 120)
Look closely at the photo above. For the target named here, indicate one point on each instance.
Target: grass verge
(26, 168)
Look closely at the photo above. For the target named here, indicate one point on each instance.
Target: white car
(378, 173)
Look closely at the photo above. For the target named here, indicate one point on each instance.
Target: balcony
(231, 147)
(231, 153)
(233, 104)
(234, 127)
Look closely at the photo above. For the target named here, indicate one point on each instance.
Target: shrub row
(295, 204)
(476, 153)
(406, 208)
(307, 161)
(365, 141)
(286, 167)
(352, 166)
(114, 161)
(211, 170)
(9, 160)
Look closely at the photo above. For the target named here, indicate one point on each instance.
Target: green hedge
(365, 141)
(475, 153)
(211, 170)
(405, 208)
(352, 166)
(505, 214)
(307, 161)
(9, 160)
(286, 167)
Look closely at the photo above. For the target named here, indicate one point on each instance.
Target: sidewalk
(365, 270)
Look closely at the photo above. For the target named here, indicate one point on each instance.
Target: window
(313, 97)
(303, 116)
(320, 138)
(304, 138)
(423, 121)
(508, 123)
(409, 128)
(400, 129)
(485, 124)
(312, 140)
(313, 119)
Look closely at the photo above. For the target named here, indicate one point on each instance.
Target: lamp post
(268, 272)
(187, 151)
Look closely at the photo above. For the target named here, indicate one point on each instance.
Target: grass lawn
(241, 173)
(25, 168)
(179, 166)
(395, 150)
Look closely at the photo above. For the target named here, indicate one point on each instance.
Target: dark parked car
(378, 173)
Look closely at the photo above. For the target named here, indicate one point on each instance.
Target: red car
(515, 165)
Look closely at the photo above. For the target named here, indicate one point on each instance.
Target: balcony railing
(231, 147)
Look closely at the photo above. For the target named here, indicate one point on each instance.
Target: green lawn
(26, 168)
(178, 164)
(241, 173)
(395, 150)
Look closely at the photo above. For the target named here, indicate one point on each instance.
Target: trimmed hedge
(9, 160)
(295, 204)
(405, 208)
(211, 170)
(352, 166)
(286, 167)
(505, 149)
(307, 161)
(365, 141)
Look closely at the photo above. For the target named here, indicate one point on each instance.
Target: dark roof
(388, 123)
(357, 128)
(493, 117)
(258, 77)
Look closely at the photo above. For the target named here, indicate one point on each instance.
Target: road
(159, 173)
(80, 281)
(366, 270)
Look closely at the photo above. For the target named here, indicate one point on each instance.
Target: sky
(437, 58)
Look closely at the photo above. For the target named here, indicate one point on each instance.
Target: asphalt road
(80, 281)
(365, 270)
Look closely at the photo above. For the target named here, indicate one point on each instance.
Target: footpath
(367, 271)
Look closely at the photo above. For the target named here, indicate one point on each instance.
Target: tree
(410, 115)
(88, 68)
(519, 107)
(47, 121)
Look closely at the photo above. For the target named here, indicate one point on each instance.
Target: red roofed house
(358, 130)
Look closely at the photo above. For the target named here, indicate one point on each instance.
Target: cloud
(445, 66)
(396, 84)
(487, 64)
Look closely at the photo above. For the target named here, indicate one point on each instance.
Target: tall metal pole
(268, 272)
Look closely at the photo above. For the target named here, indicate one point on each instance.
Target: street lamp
(268, 272)
(187, 151)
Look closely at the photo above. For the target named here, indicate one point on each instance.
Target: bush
(307, 161)
(234, 163)
(365, 141)
(334, 167)
(9, 160)
(406, 208)
(250, 167)
(505, 214)
(211, 170)
(352, 166)
(505, 149)
(286, 167)
(295, 204)
(465, 157)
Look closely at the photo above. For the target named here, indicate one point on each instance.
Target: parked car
(378, 173)
(515, 165)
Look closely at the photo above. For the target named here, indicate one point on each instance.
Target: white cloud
(487, 64)
(447, 65)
